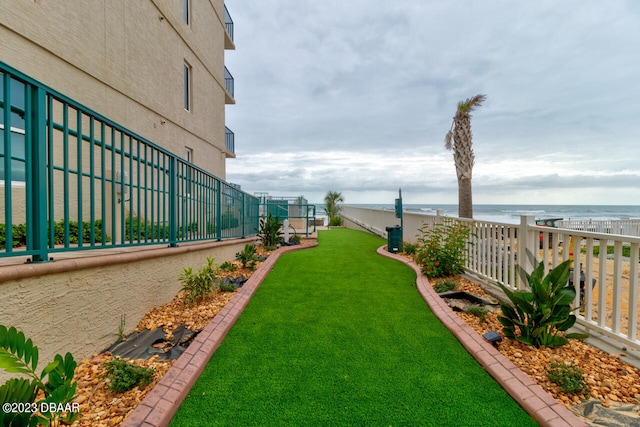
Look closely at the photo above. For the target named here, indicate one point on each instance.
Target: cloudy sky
(356, 96)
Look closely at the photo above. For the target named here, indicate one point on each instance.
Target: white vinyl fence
(606, 281)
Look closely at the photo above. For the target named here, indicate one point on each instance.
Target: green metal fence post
(242, 218)
(37, 183)
(8, 214)
(173, 202)
(218, 209)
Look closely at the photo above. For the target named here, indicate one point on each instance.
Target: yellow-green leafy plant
(197, 285)
(19, 396)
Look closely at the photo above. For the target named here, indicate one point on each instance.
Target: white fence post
(527, 248)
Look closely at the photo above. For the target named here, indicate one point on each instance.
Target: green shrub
(229, 220)
(123, 375)
(480, 312)
(135, 228)
(227, 266)
(441, 249)
(295, 239)
(198, 285)
(335, 221)
(569, 378)
(445, 285)
(247, 256)
(18, 235)
(18, 355)
(270, 230)
(539, 315)
(409, 248)
(227, 287)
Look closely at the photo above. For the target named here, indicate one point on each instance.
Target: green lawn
(338, 335)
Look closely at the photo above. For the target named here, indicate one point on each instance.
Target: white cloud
(357, 96)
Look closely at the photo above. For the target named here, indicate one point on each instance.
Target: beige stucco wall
(75, 305)
(124, 59)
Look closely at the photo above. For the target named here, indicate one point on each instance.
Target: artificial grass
(337, 335)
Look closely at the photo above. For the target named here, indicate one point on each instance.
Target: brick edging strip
(161, 404)
(542, 407)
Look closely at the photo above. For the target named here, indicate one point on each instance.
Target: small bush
(227, 287)
(294, 239)
(409, 248)
(123, 375)
(480, 312)
(441, 250)
(138, 228)
(247, 256)
(541, 316)
(270, 230)
(569, 378)
(335, 221)
(198, 285)
(227, 266)
(445, 285)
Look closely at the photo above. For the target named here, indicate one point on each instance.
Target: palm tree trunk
(465, 202)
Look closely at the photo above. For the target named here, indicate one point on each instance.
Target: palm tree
(463, 152)
(333, 209)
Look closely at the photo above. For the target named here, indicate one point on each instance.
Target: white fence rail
(627, 227)
(606, 281)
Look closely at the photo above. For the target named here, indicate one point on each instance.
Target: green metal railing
(71, 179)
(299, 213)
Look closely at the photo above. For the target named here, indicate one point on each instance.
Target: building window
(186, 12)
(187, 87)
(188, 154)
(16, 144)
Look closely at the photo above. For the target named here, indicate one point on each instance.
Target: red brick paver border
(542, 407)
(161, 404)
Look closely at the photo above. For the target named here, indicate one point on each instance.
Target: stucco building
(153, 66)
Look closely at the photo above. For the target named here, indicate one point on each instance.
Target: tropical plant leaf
(18, 390)
(565, 296)
(566, 324)
(543, 311)
(559, 276)
(557, 341)
(525, 340)
(506, 322)
(17, 354)
(577, 336)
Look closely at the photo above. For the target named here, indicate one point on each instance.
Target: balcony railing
(71, 179)
(230, 140)
(228, 22)
(228, 84)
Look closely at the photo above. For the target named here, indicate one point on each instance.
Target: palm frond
(447, 140)
(471, 104)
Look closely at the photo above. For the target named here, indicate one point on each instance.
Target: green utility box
(394, 239)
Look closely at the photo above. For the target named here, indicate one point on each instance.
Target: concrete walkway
(161, 404)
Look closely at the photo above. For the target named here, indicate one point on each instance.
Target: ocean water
(510, 214)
